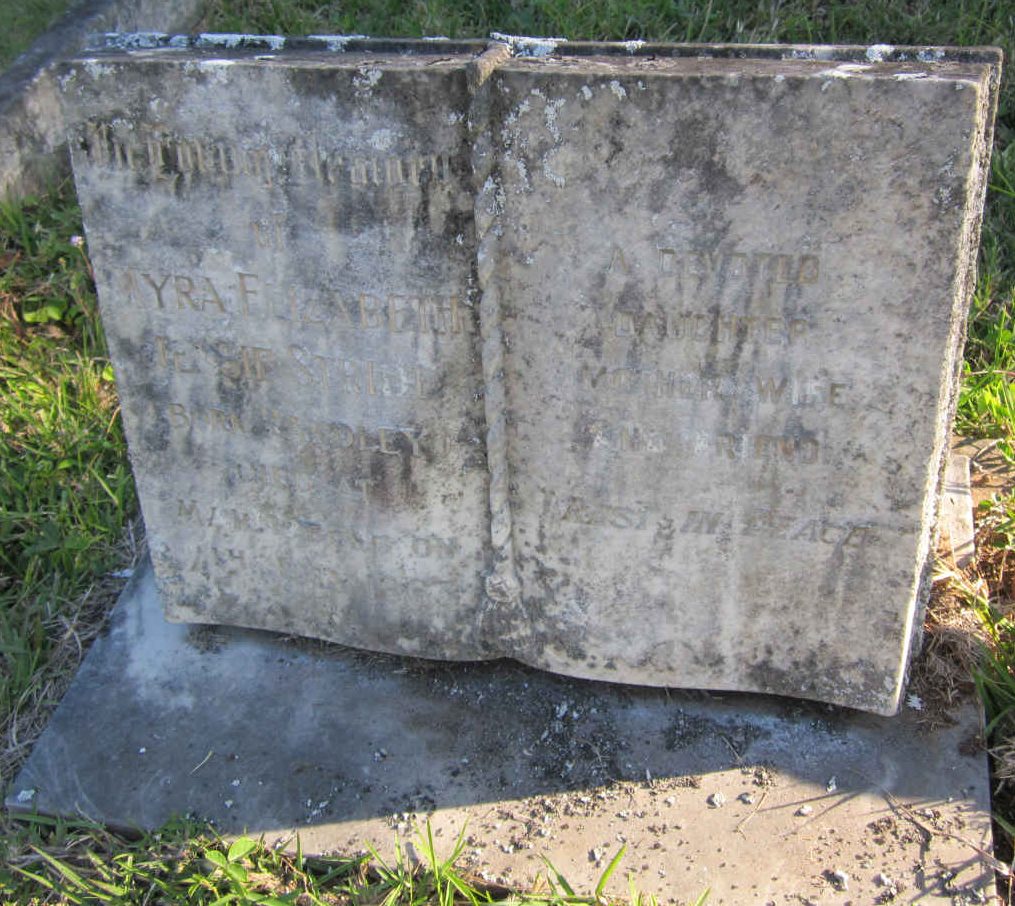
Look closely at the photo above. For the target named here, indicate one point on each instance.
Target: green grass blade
(610, 869)
(242, 847)
(561, 880)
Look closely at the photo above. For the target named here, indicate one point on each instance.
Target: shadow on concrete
(266, 735)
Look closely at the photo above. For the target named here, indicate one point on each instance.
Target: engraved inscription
(256, 364)
(233, 361)
(173, 159)
(797, 392)
(801, 447)
(391, 440)
(781, 525)
(291, 518)
(705, 327)
(752, 276)
(249, 295)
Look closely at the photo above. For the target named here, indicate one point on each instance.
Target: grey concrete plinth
(761, 799)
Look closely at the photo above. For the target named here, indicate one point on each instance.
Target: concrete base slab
(763, 800)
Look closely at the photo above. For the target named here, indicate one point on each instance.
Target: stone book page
(634, 363)
(733, 301)
(283, 251)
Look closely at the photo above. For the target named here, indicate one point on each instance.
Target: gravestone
(632, 362)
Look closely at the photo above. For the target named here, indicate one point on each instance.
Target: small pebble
(840, 879)
(805, 810)
(832, 785)
(142, 750)
(716, 800)
(746, 798)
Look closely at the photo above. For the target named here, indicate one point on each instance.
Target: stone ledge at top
(630, 362)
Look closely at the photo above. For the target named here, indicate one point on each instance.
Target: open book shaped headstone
(631, 362)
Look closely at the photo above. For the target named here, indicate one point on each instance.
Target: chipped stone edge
(982, 135)
(524, 46)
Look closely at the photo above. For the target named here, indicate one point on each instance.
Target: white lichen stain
(97, 70)
(382, 139)
(931, 55)
(845, 71)
(138, 40)
(550, 117)
(586, 92)
(336, 43)
(214, 69)
(633, 46)
(909, 76)
(179, 41)
(455, 117)
(521, 108)
(618, 89)
(231, 41)
(780, 77)
(550, 173)
(522, 46)
(366, 78)
(523, 172)
(876, 53)
(494, 196)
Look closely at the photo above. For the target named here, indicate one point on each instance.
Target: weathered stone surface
(284, 252)
(733, 300)
(630, 363)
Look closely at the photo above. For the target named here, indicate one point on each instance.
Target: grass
(185, 863)
(68, 496)
(64, 481)
(23, 22)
